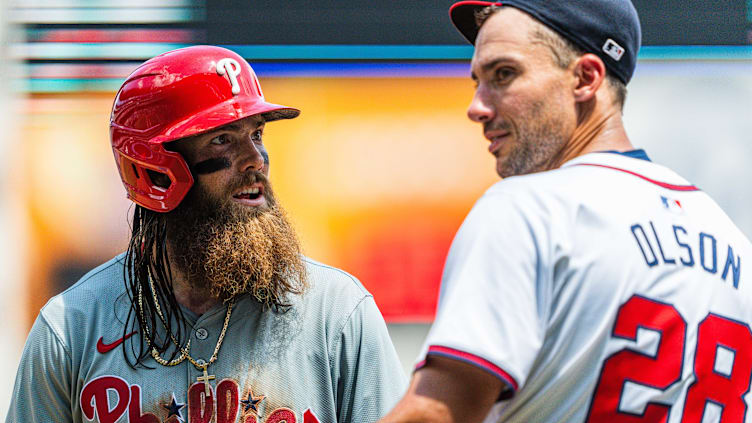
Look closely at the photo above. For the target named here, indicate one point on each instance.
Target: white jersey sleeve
(491, 300)
(43, 389)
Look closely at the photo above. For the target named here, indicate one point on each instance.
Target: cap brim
(283, 112)
(463, 17)
(223, 114)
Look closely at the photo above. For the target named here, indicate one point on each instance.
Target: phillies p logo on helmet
(232, 68)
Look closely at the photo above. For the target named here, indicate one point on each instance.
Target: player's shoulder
(100, 287)
(331, 279)
(333, 288)
(593, 177)
(100, 280)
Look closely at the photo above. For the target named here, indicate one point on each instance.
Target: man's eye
(504, 74)
(256, 136)
(220, 140)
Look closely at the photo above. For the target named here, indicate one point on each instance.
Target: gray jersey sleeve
(42, 392)
(370, 379)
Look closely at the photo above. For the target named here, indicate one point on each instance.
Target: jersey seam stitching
(58, 338)
(342, 328)
(90, 275)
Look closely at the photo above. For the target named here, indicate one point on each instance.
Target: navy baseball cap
(607, 28)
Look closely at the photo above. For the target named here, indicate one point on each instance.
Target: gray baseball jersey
(610, 290)
(328, 359)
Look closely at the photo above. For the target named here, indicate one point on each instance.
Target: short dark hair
(563, 51)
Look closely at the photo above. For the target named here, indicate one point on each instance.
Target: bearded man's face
(229, 236)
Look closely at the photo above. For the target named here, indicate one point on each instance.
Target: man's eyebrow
(234, 126)
(488, 66)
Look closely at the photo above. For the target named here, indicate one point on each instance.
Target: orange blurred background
(377, 174)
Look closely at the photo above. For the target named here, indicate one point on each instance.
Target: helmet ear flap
(159, 179)
(158, 188)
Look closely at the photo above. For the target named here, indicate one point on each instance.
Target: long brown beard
(228, 250)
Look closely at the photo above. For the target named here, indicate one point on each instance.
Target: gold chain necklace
(183, 350)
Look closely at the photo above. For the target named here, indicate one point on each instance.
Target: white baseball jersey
(328, 359)
(609, 290)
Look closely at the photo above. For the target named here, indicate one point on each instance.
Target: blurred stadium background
(380, 168)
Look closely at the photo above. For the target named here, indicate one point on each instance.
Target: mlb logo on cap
(613, 49)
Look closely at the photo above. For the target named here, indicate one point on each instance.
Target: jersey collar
(647, 170)
(635, 154)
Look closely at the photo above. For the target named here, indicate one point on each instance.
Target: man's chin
(503, 169)
(253, 251)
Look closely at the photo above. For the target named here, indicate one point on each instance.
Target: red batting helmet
(175, 95)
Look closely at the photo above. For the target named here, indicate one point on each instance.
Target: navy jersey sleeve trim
(476, 361)
(635, 154)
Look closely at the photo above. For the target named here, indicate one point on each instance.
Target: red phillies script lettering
(228, 401)
(134, 409)
(309, 417)
(94, 401)
(284, 415)
(281, 415)
(95, 404)
(200, 407)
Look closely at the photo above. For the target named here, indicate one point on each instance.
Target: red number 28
(725, 388)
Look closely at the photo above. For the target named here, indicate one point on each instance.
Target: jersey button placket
(202, 333)
(202, 349)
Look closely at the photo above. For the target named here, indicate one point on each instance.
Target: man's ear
(590, 71)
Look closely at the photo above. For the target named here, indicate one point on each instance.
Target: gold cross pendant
(205, 378)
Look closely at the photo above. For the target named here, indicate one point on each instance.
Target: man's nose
(252, 157)
(481, 108)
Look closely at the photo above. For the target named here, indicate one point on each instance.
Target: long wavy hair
(147, 258)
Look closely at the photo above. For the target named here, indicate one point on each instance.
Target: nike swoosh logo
(105, 348)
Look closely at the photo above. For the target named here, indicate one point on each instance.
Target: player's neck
(599, 128)
(191, 294)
